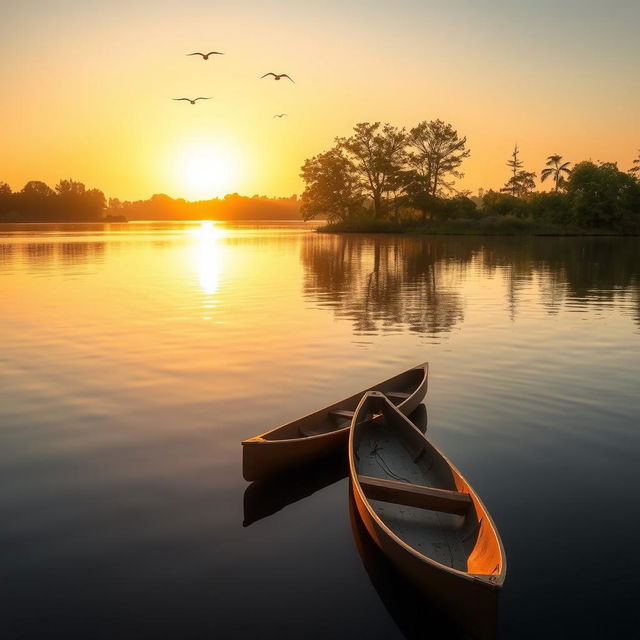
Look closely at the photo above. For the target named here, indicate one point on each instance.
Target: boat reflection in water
(263, 498)
(416, 616)
(266, 497)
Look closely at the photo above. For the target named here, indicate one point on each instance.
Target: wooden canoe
(406, 604)
(423, 514)
(263, 498)
(296, 443)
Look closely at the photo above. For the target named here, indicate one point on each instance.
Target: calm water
(135, 358)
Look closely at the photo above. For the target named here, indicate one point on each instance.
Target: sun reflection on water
(209, 262)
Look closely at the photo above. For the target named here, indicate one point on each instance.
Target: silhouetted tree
(37, 189)
(94, 203)
(556, 169)
(6, 198)
(635, 166)
(75, 202)
(521, 182)
(417, 187)
(516, 166)
(603, 196)
(114, 205)
(436, 153)
(332, 187)
(37, 200)
(377, 153)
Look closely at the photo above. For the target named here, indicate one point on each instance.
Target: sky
(88, 87)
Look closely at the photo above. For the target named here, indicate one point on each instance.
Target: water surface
(136, 357)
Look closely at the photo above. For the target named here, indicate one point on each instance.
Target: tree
(37, 189)
(376, 152)
(602, 196)
(94, 204)
(70, 187)
(521, 182)
(635, 167)
(516, 165)
(418, 194)
(437, 152)
(555, 168)
(6, 197)
(37, 200)
(114, 205)
(332, 187)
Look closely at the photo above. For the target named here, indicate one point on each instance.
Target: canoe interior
(329, 419)
(390, 448)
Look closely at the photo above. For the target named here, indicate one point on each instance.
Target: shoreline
(499, 228)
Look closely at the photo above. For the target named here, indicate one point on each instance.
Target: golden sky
(88, 86)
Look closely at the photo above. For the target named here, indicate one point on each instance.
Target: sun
(206, 171)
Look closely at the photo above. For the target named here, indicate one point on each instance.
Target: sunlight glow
(206, 171)
(209, 260)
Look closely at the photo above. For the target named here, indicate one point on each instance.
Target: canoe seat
(415, 495)
(397, 395)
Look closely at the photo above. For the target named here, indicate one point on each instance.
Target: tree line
(38, 202)
(232, 207)
(386, 173)
(71, 201)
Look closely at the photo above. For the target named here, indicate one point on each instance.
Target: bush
(503, 204)
(362, 225)
(550, 207)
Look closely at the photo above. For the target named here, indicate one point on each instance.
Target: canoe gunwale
(490, 581)
(262, 441)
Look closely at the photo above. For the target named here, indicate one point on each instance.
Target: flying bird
(277, 76)
(205, 56)
(190, 100)
(280, 115)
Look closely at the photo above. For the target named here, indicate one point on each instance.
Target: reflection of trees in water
(382, 282)
(40, 255)
(588, 271)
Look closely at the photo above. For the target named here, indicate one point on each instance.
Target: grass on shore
(506, 226)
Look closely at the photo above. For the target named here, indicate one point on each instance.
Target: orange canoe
(423, 514)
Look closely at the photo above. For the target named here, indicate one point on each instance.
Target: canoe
(423, 514)
(263, 498)
(297, 443)
(405, 603)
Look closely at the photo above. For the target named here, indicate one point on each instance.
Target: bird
(280, 115)
(192, 101)
(277, 76)
(205, 56)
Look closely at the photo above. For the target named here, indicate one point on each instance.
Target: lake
(136, 357)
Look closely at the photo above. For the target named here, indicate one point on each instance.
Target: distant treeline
(71, 201)
(383, 178)
(231, 207)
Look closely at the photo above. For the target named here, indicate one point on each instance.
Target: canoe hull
(470, 603)
(465, 586)
(267, 458)
(285, 448)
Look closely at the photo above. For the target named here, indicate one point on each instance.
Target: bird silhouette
(205, 56)
(277, 76)
(280, 115)
(190, 100)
